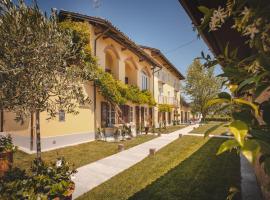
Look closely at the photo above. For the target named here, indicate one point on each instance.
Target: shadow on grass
(213, 128)
(202, 176)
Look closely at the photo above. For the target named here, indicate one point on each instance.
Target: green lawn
(81, 154)
(186, 169)
(170, 129)
(213, 128)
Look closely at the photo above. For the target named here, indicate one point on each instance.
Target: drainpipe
(95, 88)
(153, 111)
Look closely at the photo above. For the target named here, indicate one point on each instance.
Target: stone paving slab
(93, 174)
(249, 185)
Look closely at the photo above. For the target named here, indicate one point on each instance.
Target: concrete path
(249, 185)
(93, 174)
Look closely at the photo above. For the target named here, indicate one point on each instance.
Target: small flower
(58, 163)
(246, 12)
(217, 19)
(250, 31)
(202, 19)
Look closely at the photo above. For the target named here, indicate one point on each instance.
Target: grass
(213, 128)
(186, 169)
(169, 129)
(81, 154)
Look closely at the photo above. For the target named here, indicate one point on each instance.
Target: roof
(216, 40)
(171, 67)
(113, 32)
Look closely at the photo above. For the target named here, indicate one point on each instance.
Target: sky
(161, 24)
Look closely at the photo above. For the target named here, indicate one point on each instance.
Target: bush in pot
(42, 182)
(7, 149)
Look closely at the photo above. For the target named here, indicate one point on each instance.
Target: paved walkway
(249, 185)
(93, 174)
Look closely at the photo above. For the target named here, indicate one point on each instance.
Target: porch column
(121, 70)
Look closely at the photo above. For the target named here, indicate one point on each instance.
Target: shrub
(42, 182)
(6, 144)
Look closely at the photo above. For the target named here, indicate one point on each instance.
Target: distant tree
(41, 68)
(201, 85)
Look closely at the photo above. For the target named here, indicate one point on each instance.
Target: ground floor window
(131, 114)
(126, 114)
(182, 117)
(107, 115)
(169, 118)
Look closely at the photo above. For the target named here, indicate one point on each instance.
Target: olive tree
(201, 85)
(41, 68)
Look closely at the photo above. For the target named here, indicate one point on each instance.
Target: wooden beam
(154, 54)
(141, 59)
(105, 37)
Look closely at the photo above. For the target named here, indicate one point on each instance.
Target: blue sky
(162, 24)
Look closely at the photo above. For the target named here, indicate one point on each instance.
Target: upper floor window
(145, 81)
(160, 88)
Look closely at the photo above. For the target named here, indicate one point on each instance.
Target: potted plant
(116, 134)
(6, 153)
(44, 181)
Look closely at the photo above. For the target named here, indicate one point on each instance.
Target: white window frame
(145, 81)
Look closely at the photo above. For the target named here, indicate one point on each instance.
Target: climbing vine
(164, 108)
(111, 89)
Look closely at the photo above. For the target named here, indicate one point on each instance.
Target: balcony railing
(177, 86)
(168, 100)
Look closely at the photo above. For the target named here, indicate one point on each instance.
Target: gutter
(95, 87)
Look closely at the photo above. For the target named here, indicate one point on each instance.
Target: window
(169, 118)
(144, 81)
(62, 116)
(131, 114)
(160, 88)
(124, 113)
(107, 115)
(126, 80)
(108, 70)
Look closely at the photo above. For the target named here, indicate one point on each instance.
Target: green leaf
(264, 61)
(233, 87)
(224, 95)
(260, 89)
(250, 150)
(217, 101)
(239, 129)
(227, 146)
(204, 10)
(252, 105)
(226, 50)
(246, 82)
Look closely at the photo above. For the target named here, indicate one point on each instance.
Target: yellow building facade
(128, 62)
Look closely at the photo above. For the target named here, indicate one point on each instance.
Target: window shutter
(104, 114)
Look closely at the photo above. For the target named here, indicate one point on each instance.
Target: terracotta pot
(7, 155)
(4, 166)
(6, 161)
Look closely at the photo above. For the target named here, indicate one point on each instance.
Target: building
(167, 88)
(128, 62)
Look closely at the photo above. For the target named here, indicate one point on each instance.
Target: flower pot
(4, 166)
(146, 130)
(6, 161)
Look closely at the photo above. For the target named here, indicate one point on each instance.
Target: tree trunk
(2, 121)
(203, 117)
(38, 134)
(32, 131)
